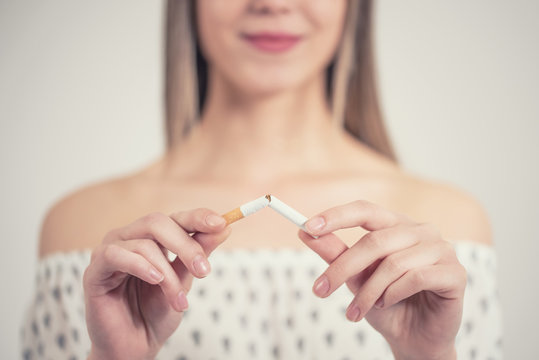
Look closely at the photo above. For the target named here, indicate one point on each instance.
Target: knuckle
(111, 235)
(145, 247)
(430, 230)
(417, 278)
(110, 252)
(154, 220)
(374, 241)
(394, 265)
(447, 247)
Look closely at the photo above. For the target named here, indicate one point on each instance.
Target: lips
(272, 42)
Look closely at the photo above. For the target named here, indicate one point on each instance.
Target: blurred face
(265, 46)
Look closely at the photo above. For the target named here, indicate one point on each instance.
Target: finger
(166, 231)
(110, 259)
(358, 213)
(210, 242)
(371, 247)
(329, 246)
(447, 281)
(171, 285)
(199, 220)
(388, 271)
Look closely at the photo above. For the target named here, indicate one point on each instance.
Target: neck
(289, 132)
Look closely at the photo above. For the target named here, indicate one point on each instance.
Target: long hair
(351, 77)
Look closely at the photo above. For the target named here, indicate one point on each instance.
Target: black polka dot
(73, 357)
(484, 304)
(290, 322)
(56, 293)
(215, 315)
(314, 315)
(473, 353)
(35, 329)
(469, 279)
(229, 296)
(252, 296)
(312, 272)
(499, 342)
(47, 320)
(468, 327)
(275, 351)
(61, 341)
(289, 272)
(274, 298)
(75, 334)
(297, 294)
(329, 338)
(252, 348)
(243, 321)
(39, 297)
(219, 272)
(69, 289)
(47, 273)
(300, 344)
(40, 349)
(201, 292)
(75, 271)
(360, 335)
(244, 273)
(267, 273)
(196, 337)
(181, 357)
(226, 344)
(264, 326)
(27, 354)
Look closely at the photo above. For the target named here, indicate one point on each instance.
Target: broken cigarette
(246, 209)
(288, 212)
(273, 202)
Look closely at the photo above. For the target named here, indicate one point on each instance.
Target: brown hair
(351, 76)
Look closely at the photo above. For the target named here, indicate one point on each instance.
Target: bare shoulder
(81, 219)
(457, 214)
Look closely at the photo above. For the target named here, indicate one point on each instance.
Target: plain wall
(80, 100)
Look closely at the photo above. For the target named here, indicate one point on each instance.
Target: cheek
(216, 21)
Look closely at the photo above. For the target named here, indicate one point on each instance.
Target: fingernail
(321, 286)
(315, 224)
(353, 313)
(214, 220)
(181, 301)
(201, 265)
(156, 275)
(379, 303)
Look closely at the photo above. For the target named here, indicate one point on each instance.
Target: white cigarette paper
(288, 212)
(267, 201)
(253, 206)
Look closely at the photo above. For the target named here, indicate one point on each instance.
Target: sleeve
(54, 326)
(480, 334)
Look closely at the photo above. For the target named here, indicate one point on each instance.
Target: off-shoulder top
(256, 305)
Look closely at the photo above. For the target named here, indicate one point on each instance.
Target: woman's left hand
(406, 279)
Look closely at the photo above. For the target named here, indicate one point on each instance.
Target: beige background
(80, 86)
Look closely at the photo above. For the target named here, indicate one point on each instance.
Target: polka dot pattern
(256, 305)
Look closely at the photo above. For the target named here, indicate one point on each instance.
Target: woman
(286, 105)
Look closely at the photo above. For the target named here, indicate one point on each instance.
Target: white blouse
(256, 305)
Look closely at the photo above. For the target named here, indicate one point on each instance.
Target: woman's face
(266, 46)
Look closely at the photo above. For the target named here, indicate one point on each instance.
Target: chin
(264, 82)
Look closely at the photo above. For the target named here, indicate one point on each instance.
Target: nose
(269, 7)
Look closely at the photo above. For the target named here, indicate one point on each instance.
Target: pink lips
(272, 42)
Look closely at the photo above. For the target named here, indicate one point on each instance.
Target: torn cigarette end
(233, 216)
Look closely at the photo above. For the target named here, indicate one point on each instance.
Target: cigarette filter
(246, 209)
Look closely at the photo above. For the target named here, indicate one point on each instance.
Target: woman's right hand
(134, 296)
